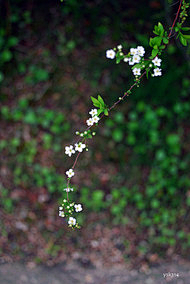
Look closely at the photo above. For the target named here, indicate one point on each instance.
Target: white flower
(95, 119)
(72, 221)
(110, 53)
(136, 58)
(126, 59)
(69, 150)
(70, 173)
(80, 147)
(157, 72)
(120, 46)
(93, 112)
(78, 207)
(61, 214)
(60, 208)
(157, 61)
(140, 50)
(137, 71)
(68, 189)
(131, 62)
(133, 51)
(90, 122)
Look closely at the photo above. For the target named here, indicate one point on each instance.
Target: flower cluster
(69, 150)
(157, 62)
(94, 117)
(135, 58)
(67, 209)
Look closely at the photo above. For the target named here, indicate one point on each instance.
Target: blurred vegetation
(52, 59)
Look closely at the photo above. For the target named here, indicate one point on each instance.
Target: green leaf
(154, 52)
(138, 65)
(162, 46)
(155, 42)
(160, 29)
(101, 100)
(118, 59)
(100, 111)
(156, 30)
(165, 40)
(182, 40)
(106, 112)
(185, 29)
(186, 37)
(96, 103)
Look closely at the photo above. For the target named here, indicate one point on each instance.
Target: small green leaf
(160, 29)
(154, 52)
(186, 37)
(100, 111)
(118, 59)
(162, 46)
(96, 103)
(165, 40)
(182, 40)
(106, 112)
(185, 29)
(138, 65)
(101, 100)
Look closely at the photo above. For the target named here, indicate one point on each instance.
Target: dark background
(134, 181)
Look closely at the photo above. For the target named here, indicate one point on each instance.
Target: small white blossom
(133, 51)
(110, 54)
(93, 112)
(70, 173)
(78, 207)
(72, 221)
(137, 71)
(69, 150)
(131, 62)
(157, 72)
(80, 147)
(126, 59)
(90, 122)
(68, 189)
(157, 61)
(140, 50)
(95, 119)
(136, 58)
(61, 214)
(119, 46)
(60, 208)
